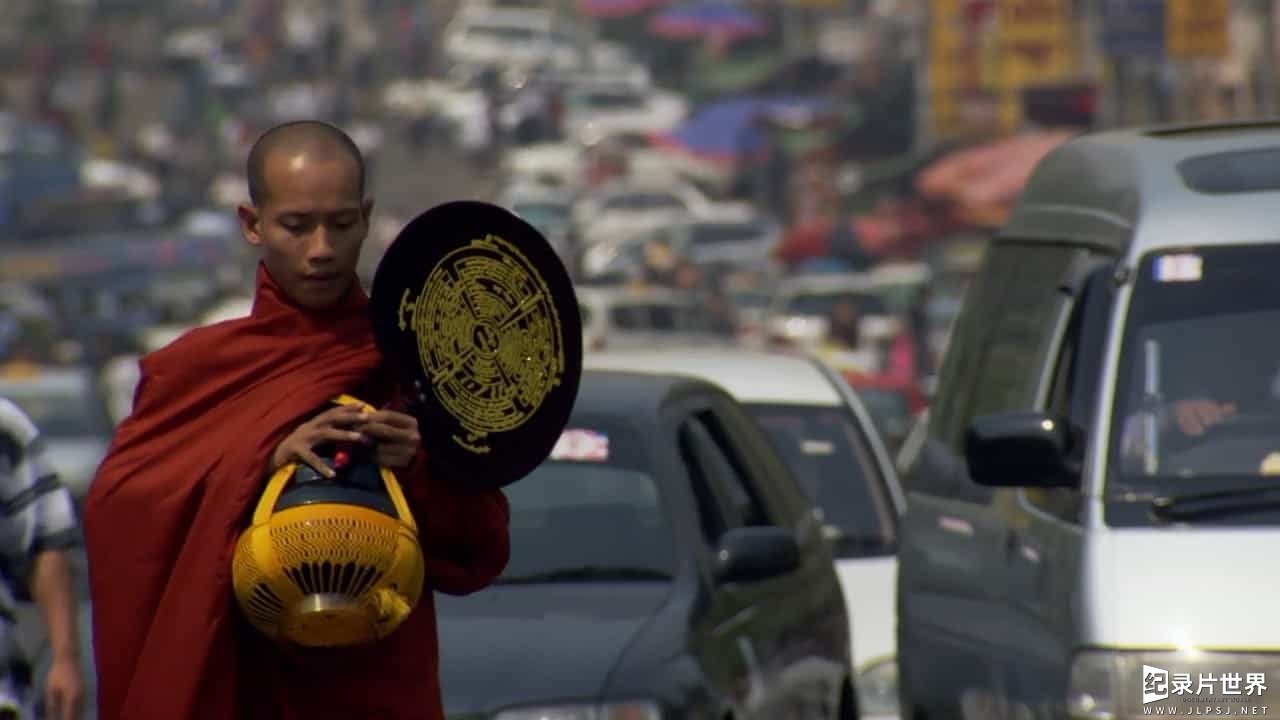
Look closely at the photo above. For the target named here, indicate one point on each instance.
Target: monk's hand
(64, 690)
(394, 436)
(338, 424)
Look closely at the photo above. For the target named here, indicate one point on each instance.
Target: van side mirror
(1021, 449)
(751, 554)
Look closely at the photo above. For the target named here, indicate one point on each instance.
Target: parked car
(614, 316)
(1064, 476)
(802, 305)
(829, 440)
(665, 563)
(732, 240)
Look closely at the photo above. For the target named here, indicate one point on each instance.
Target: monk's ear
(250, 224)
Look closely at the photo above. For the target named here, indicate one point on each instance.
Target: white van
(1089, 518)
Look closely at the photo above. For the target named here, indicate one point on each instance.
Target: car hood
(522, 644)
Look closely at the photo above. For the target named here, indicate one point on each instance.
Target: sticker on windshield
(1270, 465)
(1185, 267)
(581, 446)
(818, 447)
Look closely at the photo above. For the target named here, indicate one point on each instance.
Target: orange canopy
(981, 184)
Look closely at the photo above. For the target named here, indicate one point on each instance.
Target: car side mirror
(1021, 449)
(751, 554)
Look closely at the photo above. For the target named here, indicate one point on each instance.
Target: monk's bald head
(309, 141)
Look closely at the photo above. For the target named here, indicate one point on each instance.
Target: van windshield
(1197, 403)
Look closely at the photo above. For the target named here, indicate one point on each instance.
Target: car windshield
(643, 201)
(656, 317)
(607, 100)
(822, 447)
(63, 412)
(716, 234)
(824, 303)
(591, 511)
(889, 410)
(1198, 391)
(505, 33)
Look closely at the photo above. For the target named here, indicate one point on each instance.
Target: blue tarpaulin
(699, 19)
(729, 130)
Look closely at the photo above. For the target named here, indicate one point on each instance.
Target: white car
(640, 317)
(829, 440)
(740, 241)
(518, 38)
(802, 306)
(595, 111)
(550, 164)
(621, 208)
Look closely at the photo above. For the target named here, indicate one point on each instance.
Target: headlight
(1091, 687)
(878, 689)
(610, 711)
(1116, 684)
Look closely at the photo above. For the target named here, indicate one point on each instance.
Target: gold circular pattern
(489, 338)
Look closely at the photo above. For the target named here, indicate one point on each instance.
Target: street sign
(1037, 42)
(1198, 28)
(1133, 28)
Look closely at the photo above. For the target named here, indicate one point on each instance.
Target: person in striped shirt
(38, 524)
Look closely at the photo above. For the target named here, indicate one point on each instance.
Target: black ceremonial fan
(472, 305)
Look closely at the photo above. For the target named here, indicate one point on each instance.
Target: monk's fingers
(305, 455)
(334, 434)
(394, 419)
(341, 416)
(383, 432)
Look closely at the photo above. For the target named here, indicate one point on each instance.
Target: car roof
(751, 376)
(1123, 191)
(638, 397)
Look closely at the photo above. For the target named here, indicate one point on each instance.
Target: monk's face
(311, 225)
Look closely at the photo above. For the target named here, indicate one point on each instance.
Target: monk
(219, 409)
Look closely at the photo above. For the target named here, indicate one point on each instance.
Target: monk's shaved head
(311, 138)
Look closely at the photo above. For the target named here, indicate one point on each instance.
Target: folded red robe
(175, 491)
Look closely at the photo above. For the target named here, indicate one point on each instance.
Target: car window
(593, 504)
(504, 33)
(889, 410)
(607, 100)
(823, 303)
(643, 201)
(825, 451)
(657, 317)
(717, 465)
(714, 234)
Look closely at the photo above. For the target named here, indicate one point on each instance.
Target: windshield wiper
(586, 573)
(1219, 503)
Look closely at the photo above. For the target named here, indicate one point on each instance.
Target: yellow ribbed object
(328, 574)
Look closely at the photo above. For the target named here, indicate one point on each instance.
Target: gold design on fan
(489, 338)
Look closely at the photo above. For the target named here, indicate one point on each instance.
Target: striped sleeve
(36, 512)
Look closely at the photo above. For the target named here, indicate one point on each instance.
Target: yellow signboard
(1038, 43)
(1198, 28)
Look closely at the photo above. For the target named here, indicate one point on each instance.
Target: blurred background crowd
(816, 174)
